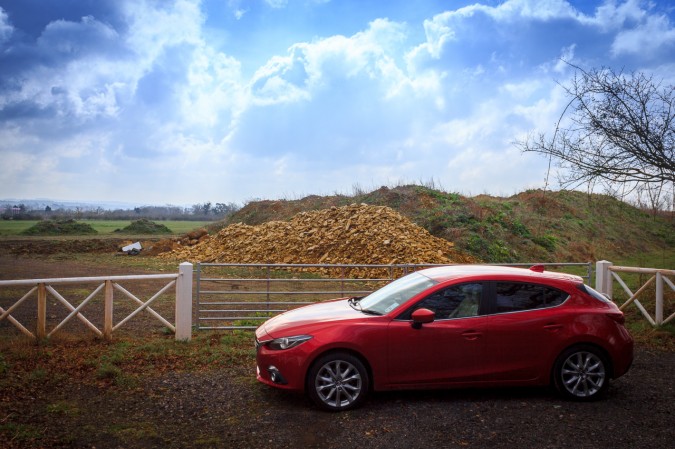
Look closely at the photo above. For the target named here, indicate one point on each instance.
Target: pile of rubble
(166, 245)
(355, 234)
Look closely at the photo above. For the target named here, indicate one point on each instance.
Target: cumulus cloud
(652, 34)
(611, 16)
(315, 65)
(450, 26)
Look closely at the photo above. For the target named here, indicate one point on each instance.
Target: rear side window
(594, 293)
(520, 296)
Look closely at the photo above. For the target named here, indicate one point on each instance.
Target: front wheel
(337, 382)
(581, 373)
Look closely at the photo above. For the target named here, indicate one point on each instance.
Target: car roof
(534, 273)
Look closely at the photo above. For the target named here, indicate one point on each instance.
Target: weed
(63, 408)
(37, 375)
(20, 432)
(547, 242)
(209, 441)
(132, 432)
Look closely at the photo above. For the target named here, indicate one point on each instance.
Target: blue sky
(182, 102)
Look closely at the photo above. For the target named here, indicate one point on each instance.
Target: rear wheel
(337, 381)
(581, 373)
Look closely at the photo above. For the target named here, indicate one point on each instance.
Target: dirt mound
(166, 245)
(60, 227)
(355, 234)
(144, 226)
(64, 246)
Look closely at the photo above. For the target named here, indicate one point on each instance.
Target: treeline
(197, 212)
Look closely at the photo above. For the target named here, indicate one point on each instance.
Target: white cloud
(6, 29)
(311, 66)
(610, 16)
(450, 26)
(214, 87)
(152, 30)
(653, 33)
(543, 10)
(566, 57)
(277, 4)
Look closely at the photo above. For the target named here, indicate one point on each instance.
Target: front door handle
(471, 335)
(553, 327)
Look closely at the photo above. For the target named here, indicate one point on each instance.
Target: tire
(337, 381)
(581, 373)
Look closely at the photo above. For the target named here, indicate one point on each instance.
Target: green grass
(664, 258)
(15, 227)
(103, 227)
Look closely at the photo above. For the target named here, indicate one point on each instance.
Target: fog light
(275, 375)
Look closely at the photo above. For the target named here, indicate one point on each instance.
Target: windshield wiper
(354, 302)
(356, 305)
(371, 312)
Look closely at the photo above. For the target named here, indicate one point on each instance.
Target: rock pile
(355, 234)
(166, 245)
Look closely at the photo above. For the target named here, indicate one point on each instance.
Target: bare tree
(621, 130)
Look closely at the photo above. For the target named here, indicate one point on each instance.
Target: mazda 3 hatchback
(452, 326)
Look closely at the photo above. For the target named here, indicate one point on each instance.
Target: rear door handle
(553, 327)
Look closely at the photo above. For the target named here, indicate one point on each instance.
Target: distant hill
(564, 226)
(42, 203)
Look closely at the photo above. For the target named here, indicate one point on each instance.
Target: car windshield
(394, 294)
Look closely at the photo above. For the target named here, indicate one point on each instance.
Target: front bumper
(283, 369)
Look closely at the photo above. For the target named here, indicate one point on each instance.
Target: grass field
(104, 227)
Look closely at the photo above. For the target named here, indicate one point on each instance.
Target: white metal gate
(242, 296)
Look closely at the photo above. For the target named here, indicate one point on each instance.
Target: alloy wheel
(583, 374)
(338, 384)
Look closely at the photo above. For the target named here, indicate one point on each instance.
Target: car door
(447, 350)
(523, 325)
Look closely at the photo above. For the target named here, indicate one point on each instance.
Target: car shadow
(468, 395)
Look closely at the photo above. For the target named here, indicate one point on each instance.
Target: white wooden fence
(108, 284)
(606, 273)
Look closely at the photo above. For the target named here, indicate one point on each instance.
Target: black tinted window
(517, 296)
(458, 301)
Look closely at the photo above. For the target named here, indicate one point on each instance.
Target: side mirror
(422, 316)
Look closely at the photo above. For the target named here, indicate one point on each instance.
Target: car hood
(306, 318)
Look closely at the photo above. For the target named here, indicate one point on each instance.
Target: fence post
(184, 302)
(603, 277)
(108, 311)
(659, 299)
(41, 331)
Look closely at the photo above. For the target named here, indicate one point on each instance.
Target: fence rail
(182, 282)
(242, 296)
(607, 273)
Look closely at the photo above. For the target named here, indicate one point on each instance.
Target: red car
(453, 326)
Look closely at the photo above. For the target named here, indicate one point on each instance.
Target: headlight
(288, 342)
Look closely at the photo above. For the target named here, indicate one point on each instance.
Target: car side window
(520, 296)
(457, 301)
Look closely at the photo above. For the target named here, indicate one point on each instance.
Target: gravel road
(214, 409)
